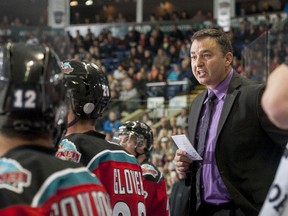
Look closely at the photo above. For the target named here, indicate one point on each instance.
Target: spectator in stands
(166, 43)
(186, 70)
(153, 74)
(242, 12)
(119, 73)
(253, 9)
(120, 18)
(266, 7)
(5, 22)
(166, 15)
(187, 75)
(110, 19)
(87, 42)
(126, 80)
(79, 39)
(139, 56)
(209, 15)
(16, 22)
(114, 84)
(140, 82)
(175, 16)
(76, 18)
(172, 122)
(76, 56)
(131, 72)
(97, 19)
(182, 118)
(100, 64)
(148, 59)
(152, 18)
(129, 97)
(82, 52)
(238, 65)
(176, 33)
(152, 45)
(252, 32)
(184, 51)
(161, 59)
(132, 57)
(241, 38)
(146, 118)
(158, 33)
(112, 123)
(184, 15)
(173, 54)
(132, 37)
(89, 58)
(173, 75)
(95, 51)
(142, 39)
(199, 16)
(32, 39)
(164, 124)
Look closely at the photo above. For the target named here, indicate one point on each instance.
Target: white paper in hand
(183, 143)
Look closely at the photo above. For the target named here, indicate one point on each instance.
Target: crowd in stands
(245, 9)
(152, 57)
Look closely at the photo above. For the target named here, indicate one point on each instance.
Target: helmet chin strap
(137, 153)
(74, 121)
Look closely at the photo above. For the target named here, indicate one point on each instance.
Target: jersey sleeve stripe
(61, 180)
(108, 155)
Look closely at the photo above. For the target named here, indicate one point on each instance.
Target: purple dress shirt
(213, 189)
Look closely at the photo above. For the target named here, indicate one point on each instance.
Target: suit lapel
(229, 100)
(195, 115)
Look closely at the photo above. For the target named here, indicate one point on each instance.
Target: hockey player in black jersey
(137, 138)
(88, 94)
(32, 180)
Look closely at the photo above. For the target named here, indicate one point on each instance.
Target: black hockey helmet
(140, 130)
(87, 87)
(31, 88)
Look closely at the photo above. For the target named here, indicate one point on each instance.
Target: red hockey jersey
(119, 171)
(155, 190)
(34, 182)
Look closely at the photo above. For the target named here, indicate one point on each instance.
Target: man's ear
(228, 59)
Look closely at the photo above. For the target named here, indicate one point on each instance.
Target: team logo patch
(13, 176)
(147, 169)
(66, 67)
(68, 151)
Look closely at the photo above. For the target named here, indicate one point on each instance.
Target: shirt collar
(221, 89)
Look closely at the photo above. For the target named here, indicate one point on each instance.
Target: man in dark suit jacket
(242, 148)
